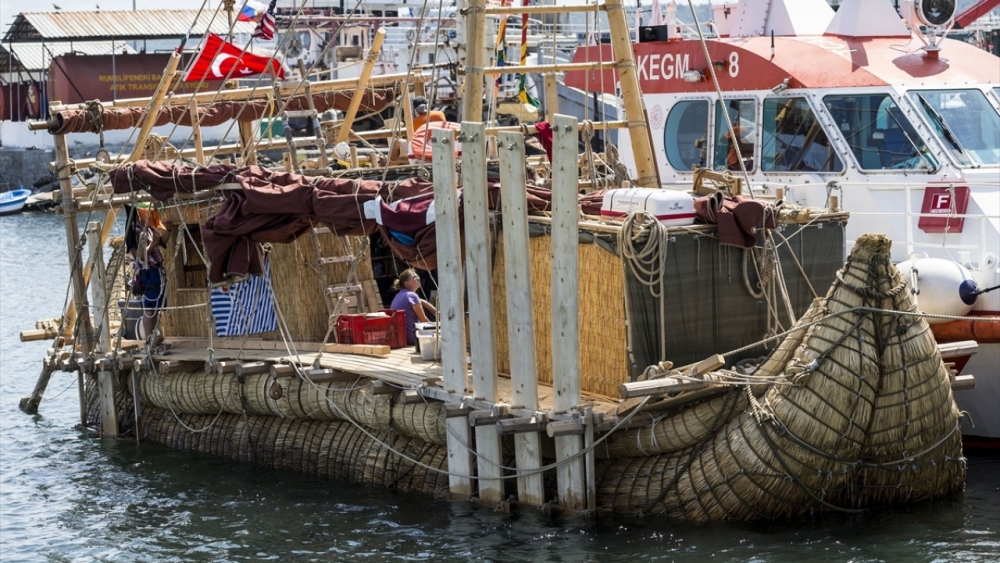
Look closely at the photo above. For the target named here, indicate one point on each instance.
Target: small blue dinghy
(13, 201)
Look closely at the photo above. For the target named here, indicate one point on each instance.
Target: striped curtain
(246, 307)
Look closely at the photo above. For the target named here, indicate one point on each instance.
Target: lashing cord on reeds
(158, 377)
(719, 420)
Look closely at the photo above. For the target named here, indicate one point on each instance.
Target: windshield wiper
(948, 133)
(922, 153)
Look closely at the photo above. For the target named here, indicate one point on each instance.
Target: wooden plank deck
(402, 367)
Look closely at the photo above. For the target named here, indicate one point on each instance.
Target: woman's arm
(418, 308)
(429, 307)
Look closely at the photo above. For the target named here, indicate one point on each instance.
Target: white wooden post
(479, 275)
(520, 316)
(565, 305)
(98, 280)
(451, 313)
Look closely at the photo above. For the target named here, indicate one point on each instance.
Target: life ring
(420, 144)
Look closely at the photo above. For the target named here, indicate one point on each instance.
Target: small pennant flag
(218, 59)
(265, 27)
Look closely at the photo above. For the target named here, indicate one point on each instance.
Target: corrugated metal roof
(118, 24)
(32, 57)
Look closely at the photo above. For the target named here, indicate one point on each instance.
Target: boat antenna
(772, 43)
(718, 90)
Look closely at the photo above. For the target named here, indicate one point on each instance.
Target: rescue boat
(865, 107)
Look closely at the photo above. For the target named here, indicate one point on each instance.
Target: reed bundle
(914, 445)
(201, 394)
(697, 422)
(323, 448)
(810, 445)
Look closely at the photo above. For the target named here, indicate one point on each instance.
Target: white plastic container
(428, 340)
(673, 208)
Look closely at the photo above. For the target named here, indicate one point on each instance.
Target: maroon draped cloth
(740, 218)
(278, 207)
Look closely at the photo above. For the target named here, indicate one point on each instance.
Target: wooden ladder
(358, 296)
(292, 165)
(338, 297)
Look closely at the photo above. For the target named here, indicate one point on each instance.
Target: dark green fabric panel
(708, 309)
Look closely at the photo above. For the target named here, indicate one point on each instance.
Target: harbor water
(67, 496)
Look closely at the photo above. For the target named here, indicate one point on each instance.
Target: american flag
(265, 27)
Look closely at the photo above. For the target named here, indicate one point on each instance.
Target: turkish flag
(218, 59)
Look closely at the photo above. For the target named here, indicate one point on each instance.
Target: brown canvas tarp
(81, 121)
(278, 207)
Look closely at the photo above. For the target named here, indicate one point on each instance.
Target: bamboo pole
(642, 149)
(105, 377)
(531, 129)
(154, 107)
(407, 103)
(243, 94)
(480, 280)
(97, 289)
(234, 148)
(538, 10)
(473, 99)
(565, 292)
(366, 72)
(520, 314)
(199, 149)
(451, 314)
(543, 69)
(247, 148)
(82, 307)
(551, 85)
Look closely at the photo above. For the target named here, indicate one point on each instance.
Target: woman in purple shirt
(410, 303)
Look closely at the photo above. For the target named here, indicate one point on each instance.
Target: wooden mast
(154, 107)
(476, 56)
(635, 110)
(366, 73)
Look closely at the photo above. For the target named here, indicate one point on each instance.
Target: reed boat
(871, 105)
(599, 351)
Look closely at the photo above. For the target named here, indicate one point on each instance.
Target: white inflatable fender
(940, 287)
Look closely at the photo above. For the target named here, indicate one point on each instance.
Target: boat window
(965, 122)
(742, 114)
(685, 134)
(793, 139)
(879, 135)
(996, 92)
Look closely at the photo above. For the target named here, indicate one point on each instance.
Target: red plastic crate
(369, 329)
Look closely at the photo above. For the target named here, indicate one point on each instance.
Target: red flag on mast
(218, 57)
